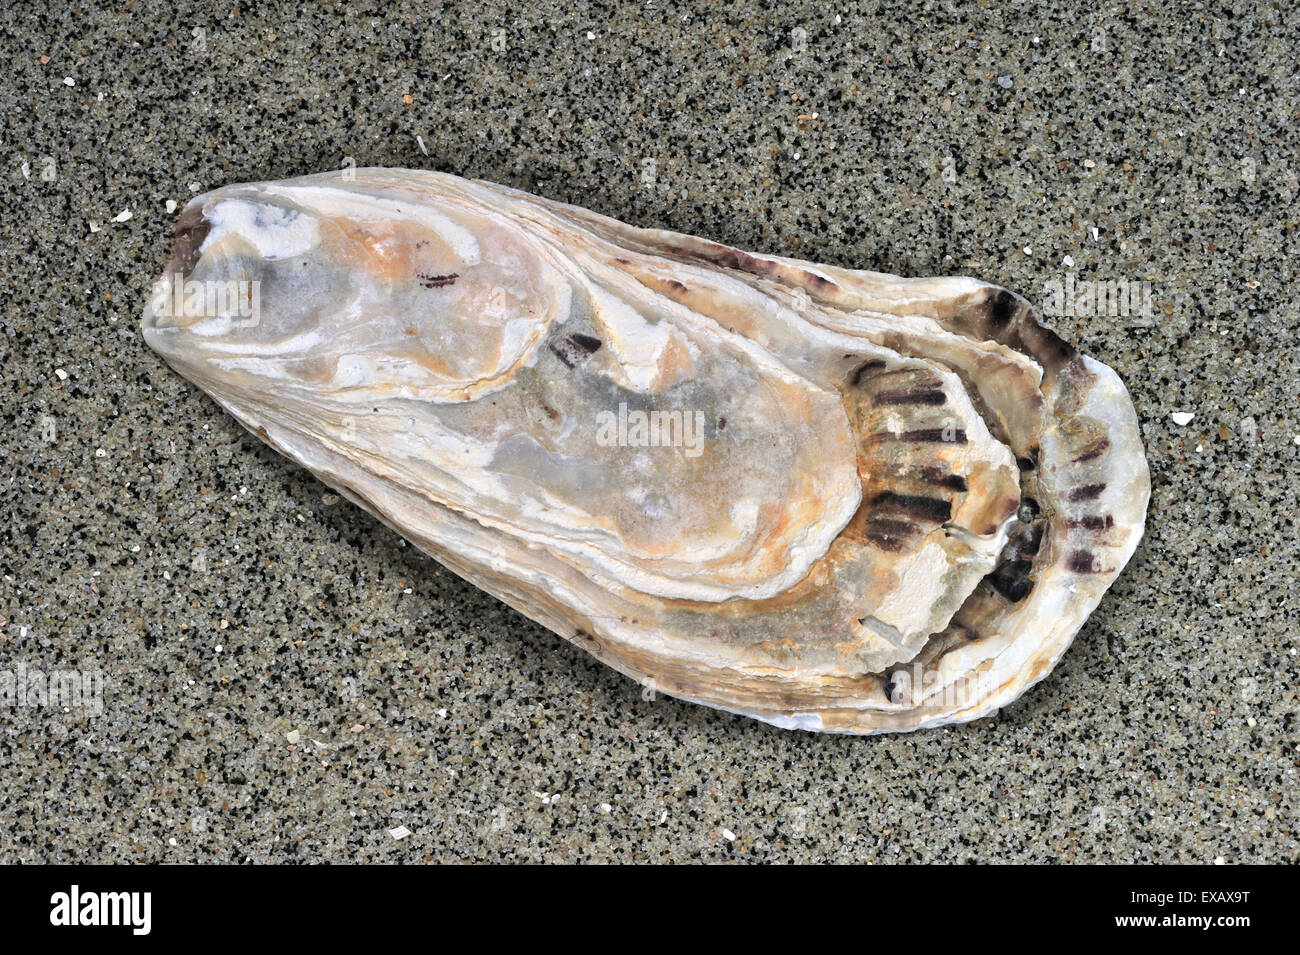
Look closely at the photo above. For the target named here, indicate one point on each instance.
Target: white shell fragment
(828, 499)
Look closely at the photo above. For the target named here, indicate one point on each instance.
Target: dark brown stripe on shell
(867, 370)
(1092, 522)
(915, 396)
(575, 349)
(1088, 492)
(1095, 450)
(1081, 562)
(935, 435)
(939, 478)
(915, 505)
(887, 533)
(1002, 308)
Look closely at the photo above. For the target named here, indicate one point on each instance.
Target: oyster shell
(825, 498)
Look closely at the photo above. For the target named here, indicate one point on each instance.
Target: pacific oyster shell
(825, 498)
